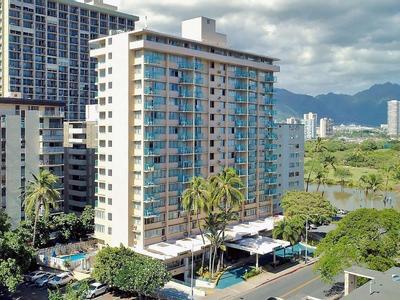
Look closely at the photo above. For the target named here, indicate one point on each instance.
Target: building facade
(171, 108)
(290, 160)
(325, 127)
(31, 139)
(293, 120)
(393, 117)
(80, 146)
(44, 49)
(310, 126)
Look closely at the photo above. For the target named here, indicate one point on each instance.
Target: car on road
(32, 276)
(96, 289)
(274, 298)
(342, 211)
(44, 279)
(60, 280)
(313, 226)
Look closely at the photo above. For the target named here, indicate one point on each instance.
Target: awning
(259, 245)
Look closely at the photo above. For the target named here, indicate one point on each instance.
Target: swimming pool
(232, 276)
(74, 257)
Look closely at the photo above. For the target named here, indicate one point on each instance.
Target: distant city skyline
(310, 37)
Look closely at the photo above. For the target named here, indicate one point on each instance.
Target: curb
(287, 273)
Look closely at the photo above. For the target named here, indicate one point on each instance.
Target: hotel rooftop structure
(171, 108)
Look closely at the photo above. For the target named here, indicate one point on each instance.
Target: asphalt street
(297, 285)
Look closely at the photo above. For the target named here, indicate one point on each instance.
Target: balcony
(269, 101)
(240, 148)
(240, 123)
(270, 146)
(53, 114)
(270, 78)
(240, 111)
(240, 136)
(186, 65)
(150, 212)
(149, 167)
(185, 164)
(241, 73)
(51, 150)
(152, 151)
(240, 160)
(272, 157)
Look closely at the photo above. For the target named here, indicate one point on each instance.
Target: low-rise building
(290, 160)
(31, 139)
(80, 144)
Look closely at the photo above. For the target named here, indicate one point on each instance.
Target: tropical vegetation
(16, 254)
(123, 269)
(366, 237)
(218, 198)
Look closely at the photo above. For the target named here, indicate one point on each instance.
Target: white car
(34, 275)
(60, 280)
(96, 289)
(44, 279)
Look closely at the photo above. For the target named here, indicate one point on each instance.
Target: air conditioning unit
(219, 72)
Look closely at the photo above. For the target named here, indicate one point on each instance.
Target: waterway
(353, 198)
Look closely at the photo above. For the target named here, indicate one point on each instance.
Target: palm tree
(320, 176)
(317, 150)
(288, 231)
(226, 190)
(387, 173)
(39, 196)
(194, 201)
(371, 182)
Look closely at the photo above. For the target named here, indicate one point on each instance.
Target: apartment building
(44, 49)
(394, 117)
(171, 108)
(325, 127)
(31, 139)
(290, 160)
(293, 120)
(80, 146)
(310, 125)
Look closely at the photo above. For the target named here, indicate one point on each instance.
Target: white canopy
(259, 245)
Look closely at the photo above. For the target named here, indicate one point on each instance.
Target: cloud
(339, 46)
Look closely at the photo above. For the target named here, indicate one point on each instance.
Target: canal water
(353, 198)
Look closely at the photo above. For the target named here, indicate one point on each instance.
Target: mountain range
(368, 107)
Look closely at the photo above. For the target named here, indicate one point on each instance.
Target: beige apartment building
(31, 139)
(171, 108)
(393, 118)
(80, 146)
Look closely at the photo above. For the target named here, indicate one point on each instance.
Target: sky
(340, 46)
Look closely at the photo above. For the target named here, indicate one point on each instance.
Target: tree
(316, 151)
(342, 174)
(312, 204)
(43, 231)
(87, 220)
(387, 172)
(288, 229)
(5, 224)
(226, 192)
(16, 256)
(194, 199)
(68, 227)
(40, 195)
(128, 271)
(321, 175)
(364, 237)
(371, 183)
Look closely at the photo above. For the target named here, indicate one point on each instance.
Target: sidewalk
(253, 283)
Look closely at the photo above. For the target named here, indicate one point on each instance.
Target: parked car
(32, 276)
(96, 289)
(44, 279)
(60, 280)
(342, 211)
(274, 298)
(76, 285)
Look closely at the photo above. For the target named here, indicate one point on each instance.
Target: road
(297, 285)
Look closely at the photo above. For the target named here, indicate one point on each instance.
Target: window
(211, 143)
(212, 117)
(110, 55)
(211, 156)
(211, 130)
(212, 104)
(212, 91)
(211, 169)
(212, 65)
(109, 230)
(109, 216)
(212, 77)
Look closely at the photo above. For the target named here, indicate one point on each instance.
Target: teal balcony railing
(185, 93)
(152, 151)
(270, 146)
(240, 123)
(198, 121)
(271, 136)
(149, 167)
(240, 160)
(270, 169)
(185, 65)
(270, 124)
(268, 90)
(269, 101)
(240, 98)
(186, 79)
(240, 148)
(152, 58)
(198, 150)
(270, 78)
(271, 192)
(185, 107)
(185, 122)
(240, 136)
(272, 157)
(150, 212)
(198, 108)
(270, 180)
(240, 86)
(185, 164)
(184, 150)
(241, 111)
(241, 73)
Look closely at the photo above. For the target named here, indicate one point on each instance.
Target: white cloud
(340, 46)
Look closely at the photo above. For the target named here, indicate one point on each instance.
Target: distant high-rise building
(290, 160)
(310, 126)
(31, 139)
(80, 144)
(293, 120)
(325, 127)
(44, 49)
(393, 117)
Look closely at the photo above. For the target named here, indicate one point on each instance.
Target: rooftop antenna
(145, 22)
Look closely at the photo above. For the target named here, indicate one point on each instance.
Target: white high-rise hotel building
(394, 117)
(310, 126)
(171, 108)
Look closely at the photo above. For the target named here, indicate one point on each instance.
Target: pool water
(74, 257)
(232, 276)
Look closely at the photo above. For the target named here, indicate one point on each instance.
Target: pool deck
(254, 282)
